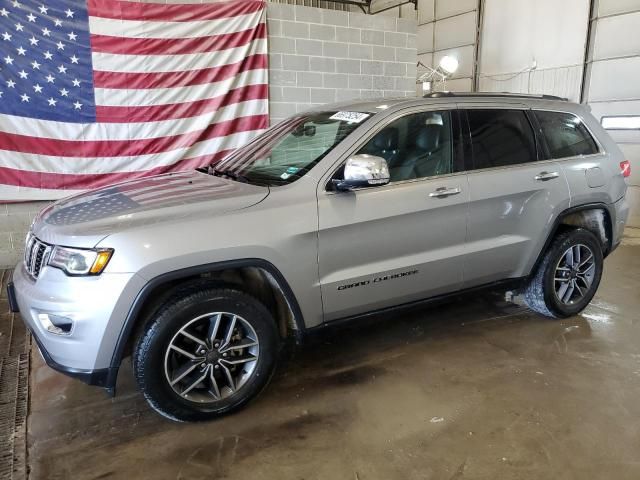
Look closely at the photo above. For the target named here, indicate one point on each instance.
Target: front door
(393, 244)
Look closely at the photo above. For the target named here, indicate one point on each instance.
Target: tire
(160, 354)
(545, 295)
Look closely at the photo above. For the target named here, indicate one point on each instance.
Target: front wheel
(568, 276)
(207, 352)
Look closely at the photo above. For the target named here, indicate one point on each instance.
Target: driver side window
(415, 146)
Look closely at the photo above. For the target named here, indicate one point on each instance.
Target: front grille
(36, 254)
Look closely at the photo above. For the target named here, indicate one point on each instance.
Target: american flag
(102, 91)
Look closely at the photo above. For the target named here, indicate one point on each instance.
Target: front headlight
(77, 261)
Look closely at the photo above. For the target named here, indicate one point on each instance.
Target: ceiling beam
(365, 5)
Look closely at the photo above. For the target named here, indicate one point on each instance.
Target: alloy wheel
(574, 274)
(211, 357)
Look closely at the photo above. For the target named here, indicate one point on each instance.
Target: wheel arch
(251, 272)
(595, 217)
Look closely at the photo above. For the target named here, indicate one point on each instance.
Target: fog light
(55, 323)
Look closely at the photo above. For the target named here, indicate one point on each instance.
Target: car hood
(85, 219)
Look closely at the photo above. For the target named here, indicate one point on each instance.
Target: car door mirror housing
(363, 171)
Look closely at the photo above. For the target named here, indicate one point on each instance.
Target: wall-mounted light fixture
(434, 77)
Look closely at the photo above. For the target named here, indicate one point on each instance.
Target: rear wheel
(568, 276)
(207, 352)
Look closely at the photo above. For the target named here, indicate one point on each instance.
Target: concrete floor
(477, 388)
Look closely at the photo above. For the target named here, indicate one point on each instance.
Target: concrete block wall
(319, 56)
(316, 3)
(15, 219)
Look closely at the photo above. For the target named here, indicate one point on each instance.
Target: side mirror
(363, 171)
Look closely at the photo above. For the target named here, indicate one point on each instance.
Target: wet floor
(477, 388)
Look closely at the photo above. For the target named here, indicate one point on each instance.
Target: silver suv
(330, 215)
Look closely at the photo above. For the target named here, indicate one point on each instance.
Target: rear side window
(565, 134)
(500, 138)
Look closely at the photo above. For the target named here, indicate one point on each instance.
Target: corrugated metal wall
(449, 28)
(515, 33)
(612, 86)
(613, 70)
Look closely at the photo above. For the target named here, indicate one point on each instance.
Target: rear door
(514, 193)
(392, 244)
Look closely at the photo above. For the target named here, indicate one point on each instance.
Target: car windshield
(289, 150)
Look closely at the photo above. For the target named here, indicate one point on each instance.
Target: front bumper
(98, 377)
(92, 303)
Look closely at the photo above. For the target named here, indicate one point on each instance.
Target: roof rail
(493, 95)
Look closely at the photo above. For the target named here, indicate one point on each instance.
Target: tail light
(625, 167)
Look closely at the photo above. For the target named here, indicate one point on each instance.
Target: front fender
(145, 292)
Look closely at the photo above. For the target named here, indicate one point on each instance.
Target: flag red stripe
(73, 181)
(140, 81)
(176, 46)
(150, 113)
(173, 13)
(126, 148)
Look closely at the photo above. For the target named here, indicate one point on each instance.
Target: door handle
(445, 192)
(544, 176)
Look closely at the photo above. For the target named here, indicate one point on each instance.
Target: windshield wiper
(232, 175)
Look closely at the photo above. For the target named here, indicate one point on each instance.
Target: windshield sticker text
(351, 117)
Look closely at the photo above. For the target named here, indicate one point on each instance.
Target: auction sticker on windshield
(351, 117)
(290, 171)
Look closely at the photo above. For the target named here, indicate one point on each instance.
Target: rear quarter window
(565, 134)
